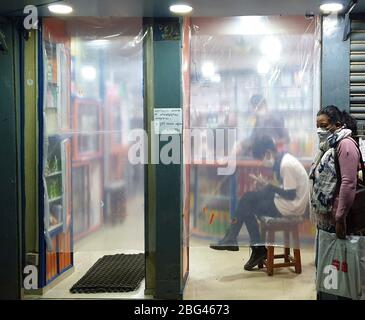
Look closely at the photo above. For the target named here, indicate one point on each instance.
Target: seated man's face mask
(268, 160)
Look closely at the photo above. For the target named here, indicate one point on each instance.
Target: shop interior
(93, 197)
(233, 59)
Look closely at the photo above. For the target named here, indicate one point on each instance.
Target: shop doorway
(91, 198)
(233, 60)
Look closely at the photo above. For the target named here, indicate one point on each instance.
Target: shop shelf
(217, 197)
(55, 199)
(53, 174)
(54, 230)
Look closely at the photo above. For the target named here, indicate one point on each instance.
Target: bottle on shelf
(47, 169)
(51, 190)
(55, 164)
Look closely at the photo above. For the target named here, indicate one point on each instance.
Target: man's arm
(286, 194)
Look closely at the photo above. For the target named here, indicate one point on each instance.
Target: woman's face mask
(325, 128)
(323, 134)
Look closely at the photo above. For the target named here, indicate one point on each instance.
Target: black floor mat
(115, 273)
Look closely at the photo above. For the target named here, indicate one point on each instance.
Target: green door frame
(163, 201)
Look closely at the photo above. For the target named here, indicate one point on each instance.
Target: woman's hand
(340, 230)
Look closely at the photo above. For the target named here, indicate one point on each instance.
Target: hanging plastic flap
(93, 99)
(251, 76)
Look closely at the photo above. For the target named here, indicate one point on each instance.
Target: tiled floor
(220, 275)
(84, 260)
(124, 237)
(213, 274)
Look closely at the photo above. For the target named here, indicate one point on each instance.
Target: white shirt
(295, 177)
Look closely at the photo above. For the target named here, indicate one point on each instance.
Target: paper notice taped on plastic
(168, 120)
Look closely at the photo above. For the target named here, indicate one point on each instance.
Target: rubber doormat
(115, 273)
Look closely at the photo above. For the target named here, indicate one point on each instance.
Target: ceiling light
(99, 42)
(331, 7)
(216, 78)
(271, 48)
(263, 67)
(251, 25)
(60, 8)
(88, 73)
(181, 8)
(208, 70)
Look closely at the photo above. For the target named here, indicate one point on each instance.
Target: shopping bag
(341, 265)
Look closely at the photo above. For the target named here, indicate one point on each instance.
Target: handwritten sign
(168, 120)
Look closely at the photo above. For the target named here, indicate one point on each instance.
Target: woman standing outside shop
(332, 196)
(331, 203)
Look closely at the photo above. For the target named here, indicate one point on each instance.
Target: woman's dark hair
(261, 145)
(336, 115)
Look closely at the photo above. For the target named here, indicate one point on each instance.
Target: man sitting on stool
(287, 196)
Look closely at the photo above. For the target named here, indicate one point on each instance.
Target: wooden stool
(287, 225)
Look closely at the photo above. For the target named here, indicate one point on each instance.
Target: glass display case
(115, 152)
(55, 174)
(87, 140)
(80, 203)
(87, 162)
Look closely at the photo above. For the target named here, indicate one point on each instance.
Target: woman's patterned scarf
(323, 174)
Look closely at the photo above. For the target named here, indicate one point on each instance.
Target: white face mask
(323, 134)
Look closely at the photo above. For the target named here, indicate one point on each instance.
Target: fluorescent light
(331, 7)
(251, 25)
(216, 78)
(99, 42)
(181, 8)
(263, 67)
(208, 70)
(88, 73)
(112, 36)
(271, 48)
(60, 8)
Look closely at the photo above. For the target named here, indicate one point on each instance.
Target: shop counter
(214, 197)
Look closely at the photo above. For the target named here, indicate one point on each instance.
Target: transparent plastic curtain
(93, 98)
(257, 76)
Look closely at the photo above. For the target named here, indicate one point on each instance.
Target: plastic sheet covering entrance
(257, 77)
(92, 99)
